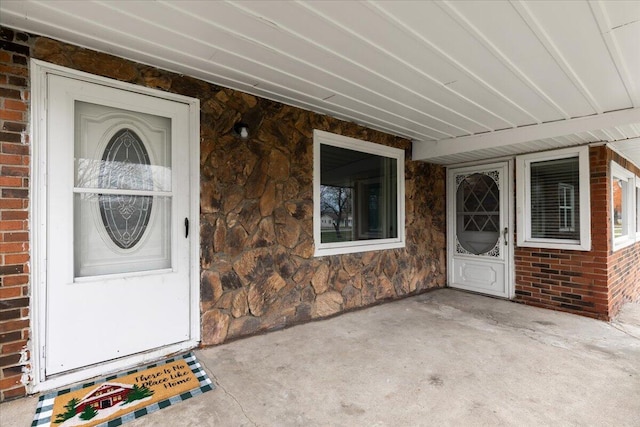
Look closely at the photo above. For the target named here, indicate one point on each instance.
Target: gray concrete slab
(442, 358)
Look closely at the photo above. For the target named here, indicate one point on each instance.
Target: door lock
(506, 233)
(186, 227)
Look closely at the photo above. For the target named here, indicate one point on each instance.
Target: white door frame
(510, 219)
(38, 236)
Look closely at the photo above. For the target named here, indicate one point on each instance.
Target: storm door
(478, 229)
(118, 214)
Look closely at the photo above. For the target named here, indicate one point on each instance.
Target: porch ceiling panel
(439, 73)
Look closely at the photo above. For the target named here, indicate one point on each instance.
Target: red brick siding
(14, 209)
(623, 264)
(595, 283)
(574, 281)
(624, 277)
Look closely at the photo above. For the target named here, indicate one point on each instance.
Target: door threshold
(111, 367)
(480, 293)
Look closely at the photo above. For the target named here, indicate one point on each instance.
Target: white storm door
(478, 229)
(118, 266)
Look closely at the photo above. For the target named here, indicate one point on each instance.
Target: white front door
(118, 279)
(478, 229)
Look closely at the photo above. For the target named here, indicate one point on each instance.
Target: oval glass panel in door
(477, 214)
(125, 166)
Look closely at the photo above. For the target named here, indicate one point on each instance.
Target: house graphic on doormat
(105, 396)
(103, 401)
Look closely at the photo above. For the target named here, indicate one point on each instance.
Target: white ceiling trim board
(312, 103)
(225, 81)
(624, 151)
(327, 19)
(281, 52)
(622, 132)
(608, 134)
(593, 136)
(600, 14)
(277, 70)
(454, 13)
(420, 71)
(240, 6)
(424, 150)
(413, 33)
(537, 28)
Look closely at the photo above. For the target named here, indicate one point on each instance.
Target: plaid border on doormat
(45, 408)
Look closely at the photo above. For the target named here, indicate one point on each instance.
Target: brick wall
(595, 283)
(623, 264)
(14, 209)
(573, 281)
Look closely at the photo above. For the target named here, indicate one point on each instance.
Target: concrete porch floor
(441, 358)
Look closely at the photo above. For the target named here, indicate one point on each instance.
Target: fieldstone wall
(259, 272)
(257, 266)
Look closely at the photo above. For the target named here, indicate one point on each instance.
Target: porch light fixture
(241, 129)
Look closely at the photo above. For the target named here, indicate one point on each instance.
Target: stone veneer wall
(257, 264)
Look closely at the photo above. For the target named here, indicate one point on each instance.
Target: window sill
(571, 246)
(622, 242)
(354, 247)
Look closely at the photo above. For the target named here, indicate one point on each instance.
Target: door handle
(505, 232)
(186, 227)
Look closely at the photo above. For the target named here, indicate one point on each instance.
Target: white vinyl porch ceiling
(465, 80)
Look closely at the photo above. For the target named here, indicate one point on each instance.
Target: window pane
(358, 195)
(135, 237)
(130, 156)
(478, 213)
(122, 223)
(637, 209)
(555, 204)
(620, 220)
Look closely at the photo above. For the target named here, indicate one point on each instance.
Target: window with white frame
(358, 195)
(623, 206)
(553, 199)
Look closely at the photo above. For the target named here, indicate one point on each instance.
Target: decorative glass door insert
(122, 193)
(477, 232)
(117, 241)
(478, 213)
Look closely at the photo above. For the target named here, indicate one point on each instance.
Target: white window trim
(636, 188)
(323, 249)
(523, 199)
(625, 240)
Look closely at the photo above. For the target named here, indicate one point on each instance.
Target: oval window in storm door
(125, 165)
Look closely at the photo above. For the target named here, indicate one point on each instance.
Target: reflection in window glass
(566, 206)
(620, 222)
(358, 195)
(637, 207)
(623, 211)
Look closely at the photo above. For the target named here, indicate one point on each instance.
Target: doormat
(116, 399)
